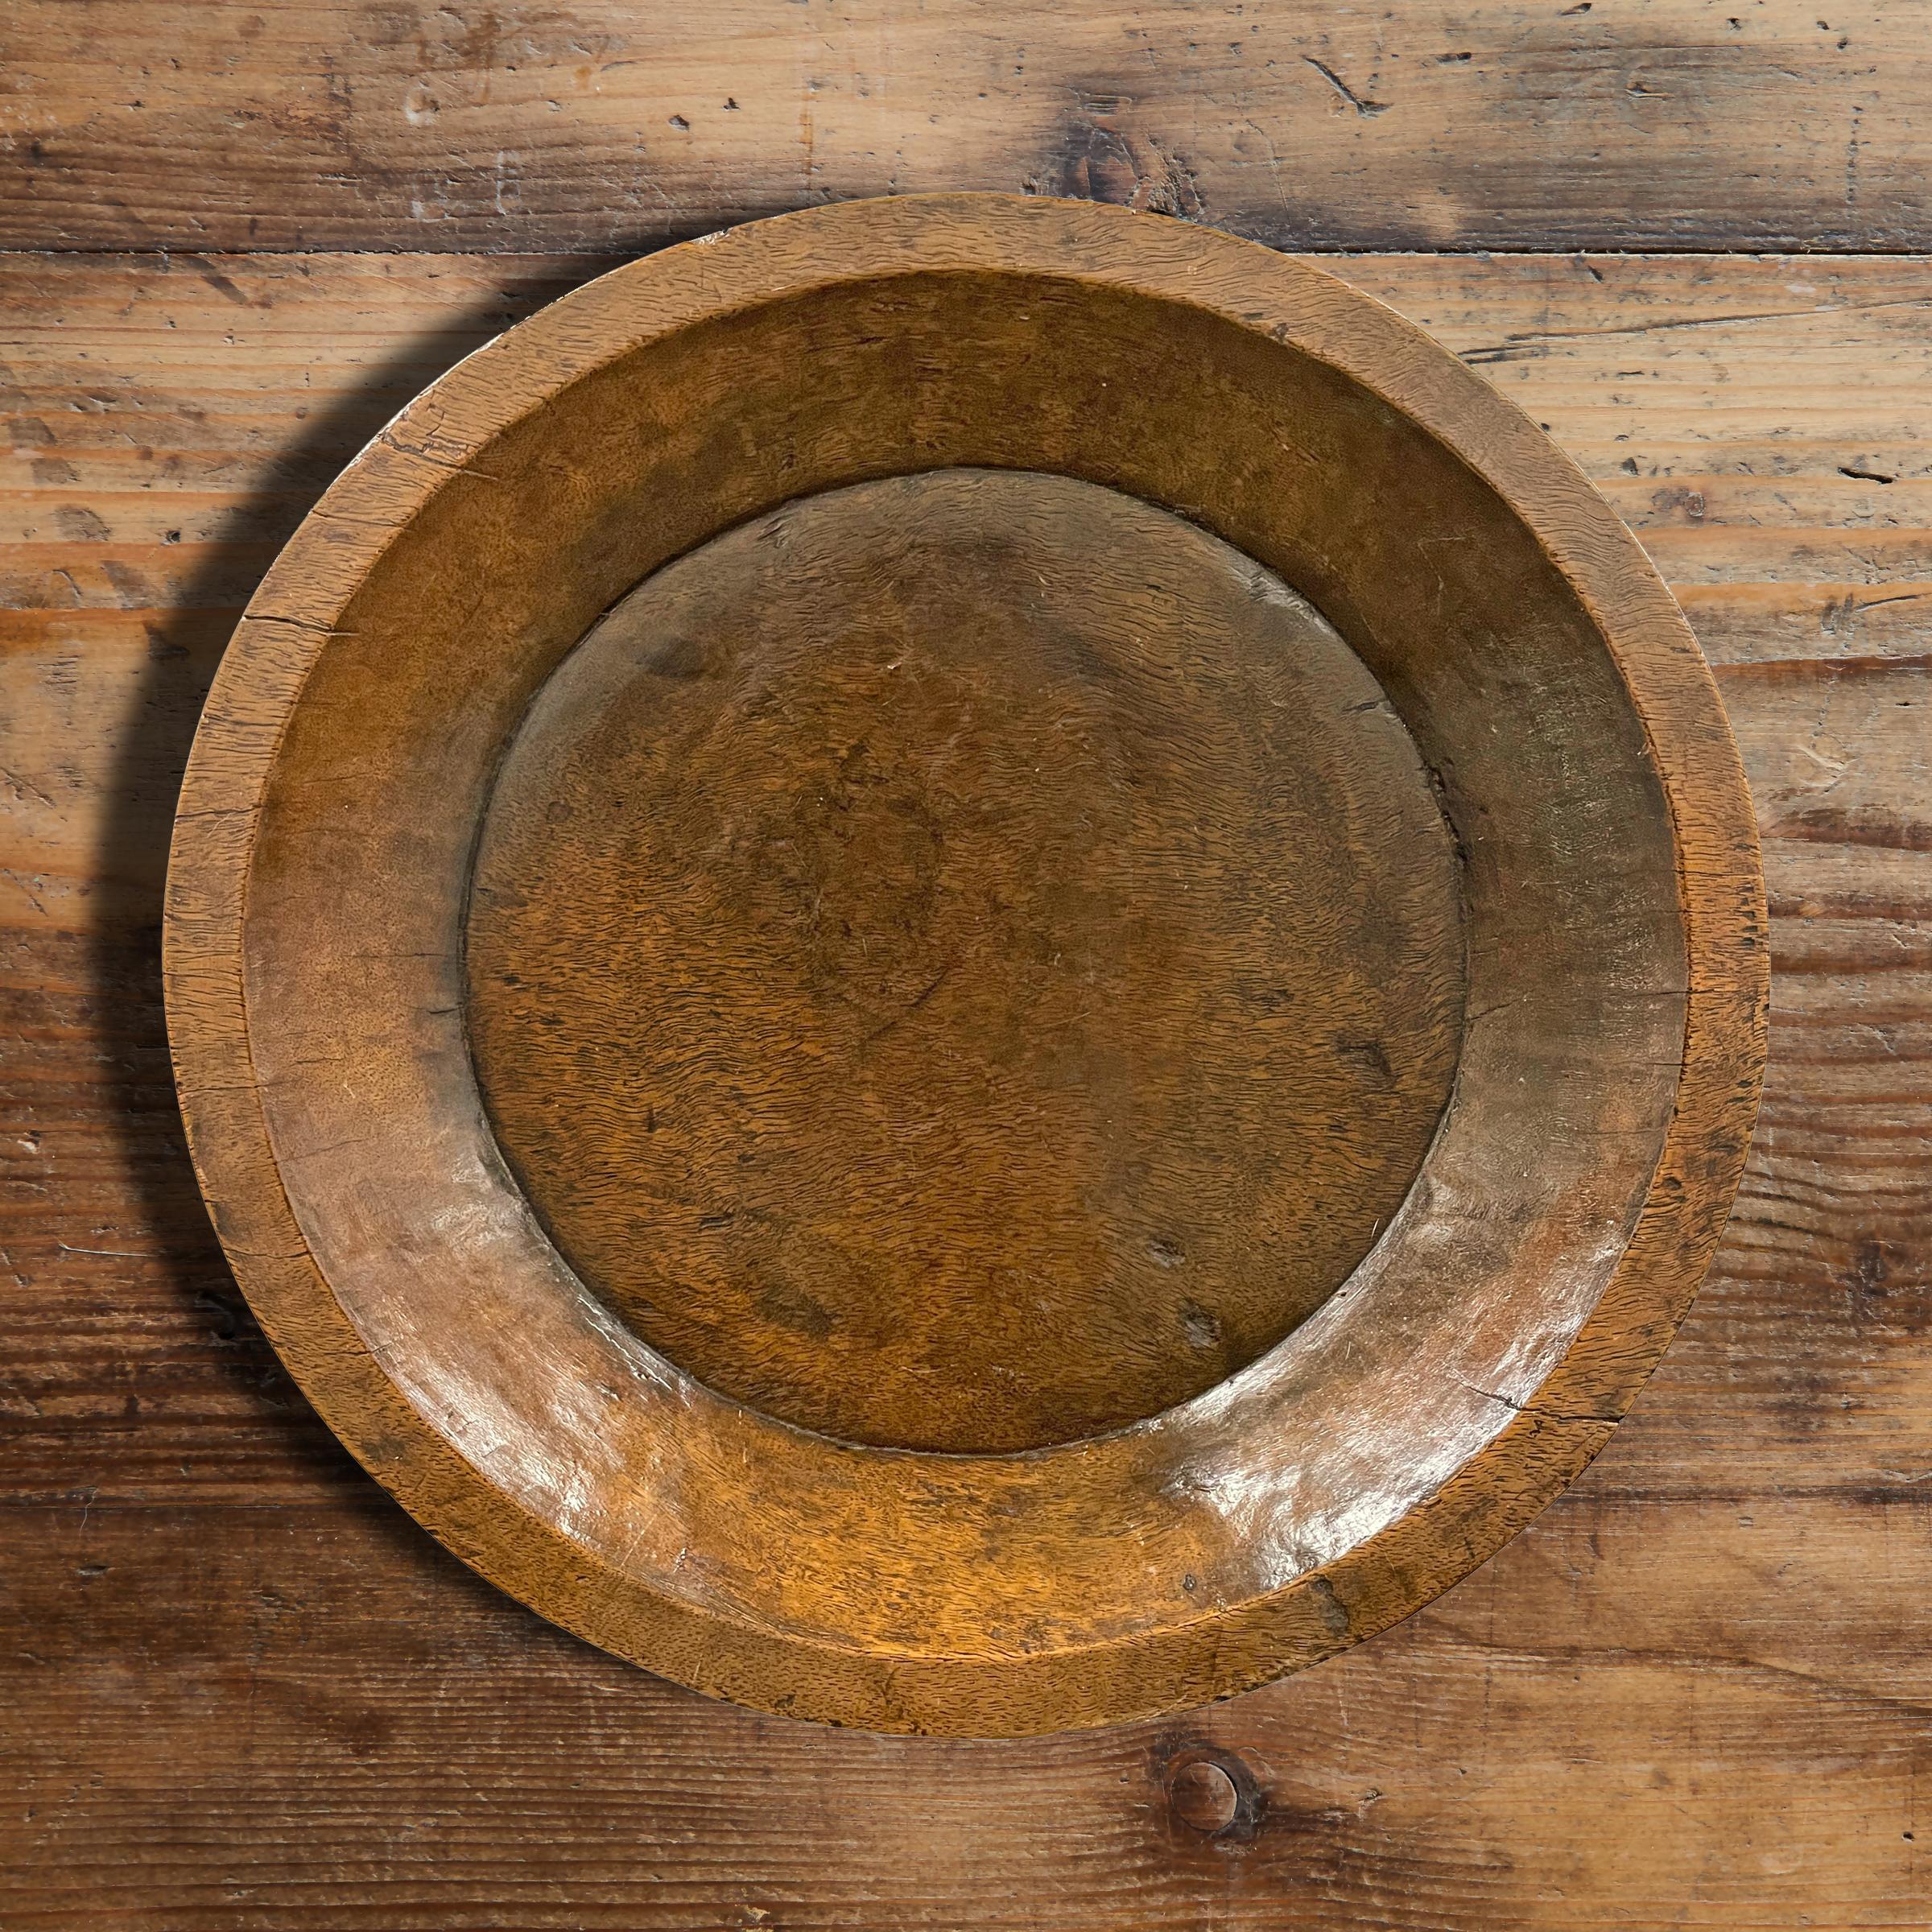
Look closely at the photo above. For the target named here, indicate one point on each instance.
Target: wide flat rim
(1548, 1438)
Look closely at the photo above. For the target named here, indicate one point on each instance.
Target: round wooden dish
(967, 965)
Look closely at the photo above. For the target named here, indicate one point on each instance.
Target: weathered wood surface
(242, 1691)
(1437, 124)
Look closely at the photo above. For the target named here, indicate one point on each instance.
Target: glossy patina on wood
(1467, 1368)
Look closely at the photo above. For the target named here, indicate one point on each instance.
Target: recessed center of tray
(963, 962)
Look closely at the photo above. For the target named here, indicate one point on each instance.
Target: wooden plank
(1694, 1694)
(201, 1737)
(1748, 124)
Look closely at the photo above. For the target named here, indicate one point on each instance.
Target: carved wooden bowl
(967, 965)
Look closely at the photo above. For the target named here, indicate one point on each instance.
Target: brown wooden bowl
(967, 965)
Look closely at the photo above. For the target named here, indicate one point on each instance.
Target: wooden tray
(967, 965)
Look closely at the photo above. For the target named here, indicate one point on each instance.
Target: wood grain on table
(1733, 124)
(243, 1690)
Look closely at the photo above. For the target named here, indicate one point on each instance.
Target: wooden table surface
(241, 1688)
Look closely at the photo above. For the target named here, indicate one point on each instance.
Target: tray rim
(1545, 1444)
